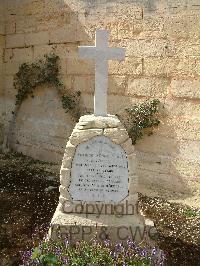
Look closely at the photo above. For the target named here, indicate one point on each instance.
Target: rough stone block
(78, 137)
(64, 34)
(133, 184)
(189, 150)
(148, 48)
(10, 25)
(9, 80)
(158, 144)
(40, 50)
(36, 38)
(169, 66)
(129, 28)
(22, 54)
(117, 135)
(8, 54)
(84, 83)
(131, 66)
(117, 84)
(128, 146)
(91, 122)
(148, 87)
(65, 177)
(2, 40)
(178, 107)
(155, 181)
(11, 68)
(176, 27)
(186, 88)
(80, 67)
(85, 228)
(15, 40)
(189, 170)
(154, 162)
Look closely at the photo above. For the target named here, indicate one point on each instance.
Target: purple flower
(107, 242)
(118, 247)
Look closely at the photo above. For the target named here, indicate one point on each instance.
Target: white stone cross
(101, 53)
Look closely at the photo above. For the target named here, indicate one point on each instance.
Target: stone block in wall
(186, 88)
(84, 83)
(9, 81)
(117, 84)
(36, 38)
(188, 169)
(65, 50)
(15, 40)
(2, 40)
(190, 150)
(8, 54)
(155, 87)
(178, 107)
(149, 48)
(2, 27)
(22, 54)
(10, 24)
(196, 69)
(1, 85)
(65, 34)
(40, 50)
(11, 68)
(25, 24)
(128, 28)
(193, 22)
(180, 127)
(188, 48)
(154, 181)
(152, 27)
(176, 27)
(169, 66)
(153, 162)
(133, 11)
(31, 8)
(67, 81)
(158, 144)
(131, 66)
(79, 66)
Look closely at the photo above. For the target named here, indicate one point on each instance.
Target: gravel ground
(29, 195)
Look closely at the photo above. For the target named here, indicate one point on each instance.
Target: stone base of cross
(101, 53)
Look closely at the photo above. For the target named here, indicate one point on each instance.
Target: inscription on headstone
(99, 171)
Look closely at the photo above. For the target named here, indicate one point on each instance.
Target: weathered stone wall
(162, 61)
(2, 46)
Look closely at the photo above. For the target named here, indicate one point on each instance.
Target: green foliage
(44, 71)
(191, 213)
(61, 253)
(138, 118)
(141, 119)
(71, 101)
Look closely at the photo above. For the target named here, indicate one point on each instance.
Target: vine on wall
(44, 71)
(139, 120)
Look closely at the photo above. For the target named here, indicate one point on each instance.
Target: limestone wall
(162, 61)
(2, 46)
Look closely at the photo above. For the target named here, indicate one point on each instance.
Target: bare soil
(29, 196)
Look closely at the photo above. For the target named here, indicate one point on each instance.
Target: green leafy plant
(44, 71)
(94, 253)
(191, 213)
(141, 119)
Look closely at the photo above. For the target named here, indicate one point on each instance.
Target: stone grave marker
(98, 176)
